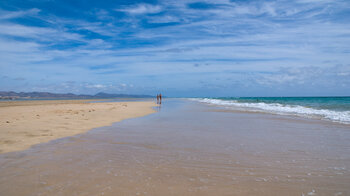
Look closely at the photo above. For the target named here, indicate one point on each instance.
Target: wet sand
(26, 123)
(188, 149)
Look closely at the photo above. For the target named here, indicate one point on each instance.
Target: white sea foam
(276, 108)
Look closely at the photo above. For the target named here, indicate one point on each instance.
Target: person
(160, 98)
(157, 98)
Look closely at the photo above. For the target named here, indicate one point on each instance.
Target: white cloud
(16, 14)
(343, 73)
(142, 9)
(315, 1)
(40, 33)
(96, 86)
(164, 19)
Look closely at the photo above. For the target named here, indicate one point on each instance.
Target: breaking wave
(284, 109)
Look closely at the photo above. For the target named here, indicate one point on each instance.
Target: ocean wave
(276, 108)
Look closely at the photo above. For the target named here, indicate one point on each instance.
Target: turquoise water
(329, 103)
(336, 109)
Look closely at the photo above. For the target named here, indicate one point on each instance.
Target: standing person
(160, 98)
(157, 98)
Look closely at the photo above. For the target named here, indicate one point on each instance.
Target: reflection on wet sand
(188, 149)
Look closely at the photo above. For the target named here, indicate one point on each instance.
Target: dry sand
(26, 123)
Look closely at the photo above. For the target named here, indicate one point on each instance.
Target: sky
(179, 48)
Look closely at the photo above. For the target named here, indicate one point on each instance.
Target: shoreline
(189, 149)
(27, 123)
(282, 116)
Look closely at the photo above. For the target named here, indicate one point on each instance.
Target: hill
(46, 95)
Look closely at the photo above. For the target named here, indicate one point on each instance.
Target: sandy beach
(190, 149)
(26, 123)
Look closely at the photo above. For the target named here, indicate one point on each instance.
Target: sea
(336, 109)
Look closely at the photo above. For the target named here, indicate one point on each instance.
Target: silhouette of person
(160, 98)
(157, 98)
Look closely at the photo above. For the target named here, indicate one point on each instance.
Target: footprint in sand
(8, 142)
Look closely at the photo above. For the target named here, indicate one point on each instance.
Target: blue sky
(179, 48)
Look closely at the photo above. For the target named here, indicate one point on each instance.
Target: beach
(26, 123)
(188, 148)
(175, 98)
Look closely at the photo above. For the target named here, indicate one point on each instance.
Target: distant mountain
(47, 95)
(106, 95)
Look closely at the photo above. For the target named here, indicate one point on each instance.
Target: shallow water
(336, 109)
(188, 148)
(329, 103)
